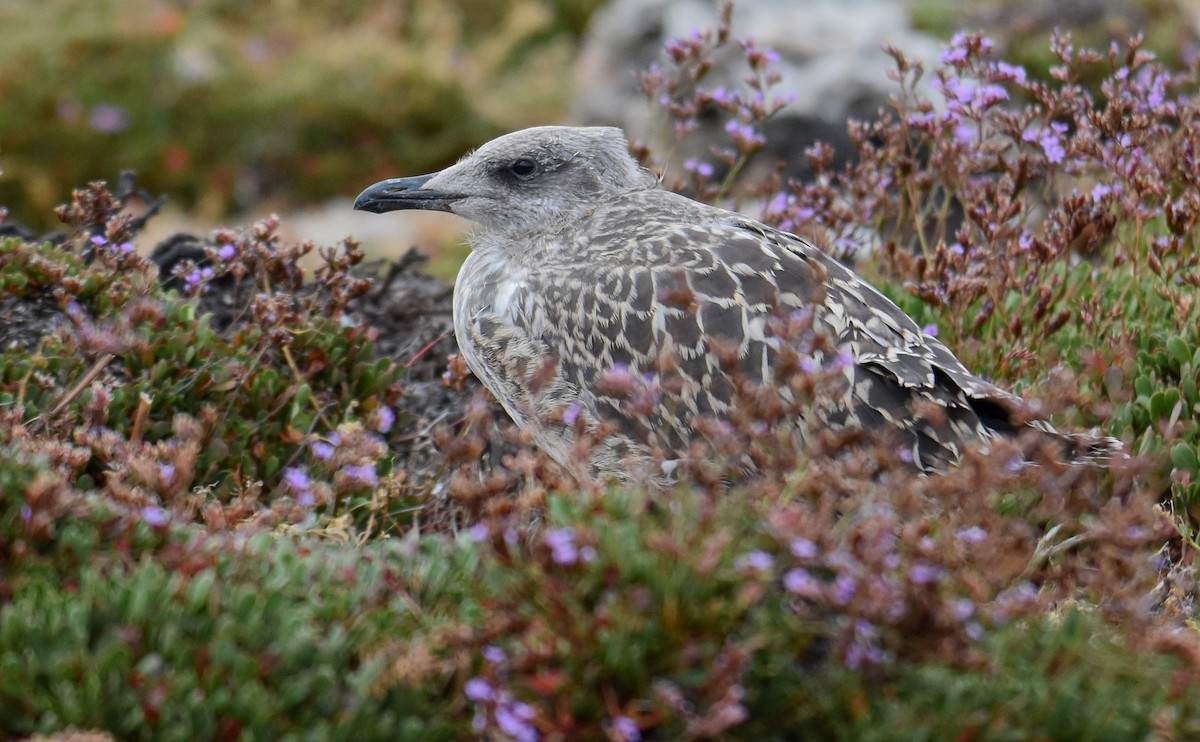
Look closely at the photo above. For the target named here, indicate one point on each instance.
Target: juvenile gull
(576, 253)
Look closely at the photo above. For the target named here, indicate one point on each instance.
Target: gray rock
(831, 56)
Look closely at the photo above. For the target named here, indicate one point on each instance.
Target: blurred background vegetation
(235, 109)
(223, 104)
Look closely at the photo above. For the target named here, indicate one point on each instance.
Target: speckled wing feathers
(600, 298)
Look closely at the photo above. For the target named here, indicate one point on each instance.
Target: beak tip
(402, 193)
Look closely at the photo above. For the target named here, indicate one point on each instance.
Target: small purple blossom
(166, 472)
(1100, 191)
(385, 419)
(99, 240)
(297, 479)
(154, 515)
(570, 415)
(479, 690)
(1014, 72)
(745, 136)
(800, 582)
(699, 167)
(844, 588)
(758, 561)
(963, 608)
(972, 535)
(562, 545)
(952, 54)
(226, 252)
(627, 728)
(196, 277)
(802, 548)
(931, 330)
(322, 450)
(923, 574)
(364, 473)
(26, 513)
(479, 532)
(494, 654)
(514, 720)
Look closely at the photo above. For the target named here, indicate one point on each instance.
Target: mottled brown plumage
(577, 255)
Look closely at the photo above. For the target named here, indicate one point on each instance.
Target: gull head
(534, 180)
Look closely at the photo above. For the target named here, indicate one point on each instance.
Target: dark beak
(403, 193)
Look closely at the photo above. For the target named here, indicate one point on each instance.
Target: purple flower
(965, 132)
(154, 515)
(125, 247)
(972, 535)
(703, 169)
(588, 554)
(802, 548)
(1051, 143)
(109, 119)
(722, 96)
(952, 54)
(509, 719)
(479, 532)
(296, 478)
(744, 135)
(494, 654)
(99, 241)
(1014, 72)
(759, 561)
(364, 473)
(570, 415)
(166, 472)
(844, 588)
(800, 582)
(975, 631)
(562, 545)
(1100, 191)
(26, 513)
(479, 690)
(306, 498)
(226, 252)
(930, 330)
(923, 574)
(322, 450)
(627, 728)
(963, 608)
(385, 419)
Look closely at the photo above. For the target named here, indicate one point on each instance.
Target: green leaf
(1162, 404)
(1183, 456)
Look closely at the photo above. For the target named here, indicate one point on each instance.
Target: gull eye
(523, 168)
